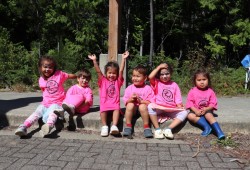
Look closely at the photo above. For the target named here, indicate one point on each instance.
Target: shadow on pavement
(7, 105)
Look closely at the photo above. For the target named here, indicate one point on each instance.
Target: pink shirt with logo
(76, 95)
(201, 98)
(145, 93)
(167, 94)
(52, 88)
(109, 92)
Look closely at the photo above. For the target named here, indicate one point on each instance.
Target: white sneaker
(158, 134)
(105, 131)
(45, 130)
(114, 130)
(168, 133)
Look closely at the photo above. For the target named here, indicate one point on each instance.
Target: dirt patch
(236, 145)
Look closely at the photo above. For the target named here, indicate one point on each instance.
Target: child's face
(111, 74)
(201, 81)
(47, 69)
(138, 79)
(165, 75)
(83, 81)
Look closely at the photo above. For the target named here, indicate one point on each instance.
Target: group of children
(156, 103)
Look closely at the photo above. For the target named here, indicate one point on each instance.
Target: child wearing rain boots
(202, 101)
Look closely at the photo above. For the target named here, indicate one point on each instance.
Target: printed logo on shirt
(203, 103)
(111, 91)
(52, 86)
(167, 95)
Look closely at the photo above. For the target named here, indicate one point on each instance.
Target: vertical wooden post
(114, 29)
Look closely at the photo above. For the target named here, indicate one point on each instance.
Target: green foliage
(242, 35)
(16, 63)
(214, 43)
(227, 142)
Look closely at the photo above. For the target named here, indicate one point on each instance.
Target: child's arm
(72, 76)
(204, 109)
(181, 106)
(152, 75)
(122, 65)
(140, 101)
(96, 66)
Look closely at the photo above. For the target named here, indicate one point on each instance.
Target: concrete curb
(233, 113)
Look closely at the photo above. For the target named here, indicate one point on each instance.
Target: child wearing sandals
(51, 83)
(109, 91)
(136, 97)
(78, 100)
(167, 94)
(202, 102)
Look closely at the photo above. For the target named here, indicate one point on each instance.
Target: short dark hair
(141, 69)
(84, 73)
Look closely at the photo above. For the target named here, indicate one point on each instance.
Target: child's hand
(163, 65)
(125, 54)
(139, 100)
(92, 56)
(180, 106)
(198, 113)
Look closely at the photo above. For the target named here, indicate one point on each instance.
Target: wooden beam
(114, 29)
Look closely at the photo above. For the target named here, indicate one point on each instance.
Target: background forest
(188, 34)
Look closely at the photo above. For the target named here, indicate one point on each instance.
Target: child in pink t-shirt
(202, 101)
(51, 83)
(109, 91)
(136, 97)
(167, 94)
(78, 100)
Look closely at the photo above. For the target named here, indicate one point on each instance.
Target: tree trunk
(151, 32)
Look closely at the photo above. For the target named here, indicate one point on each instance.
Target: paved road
(83, 151)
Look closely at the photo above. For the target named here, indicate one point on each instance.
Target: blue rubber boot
(218, 131)
(205, 125)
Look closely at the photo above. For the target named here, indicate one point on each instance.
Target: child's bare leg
(175, 123)
(114, 129)
(104, 130)
(210, 118)
(192, 117)
(144, 114)
(116, 115)
(129, 113)
(143, 109)
(154, 120)
(104, 118)
(130, 108)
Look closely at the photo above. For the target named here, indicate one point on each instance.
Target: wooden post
(114, 29)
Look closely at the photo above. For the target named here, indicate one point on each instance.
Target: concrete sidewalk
(233, 112)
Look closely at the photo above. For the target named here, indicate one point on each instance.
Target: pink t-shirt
(109, 92)
(145, 93)
(52, 88)
(167, 94)
(201, 98)
(86, 92)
